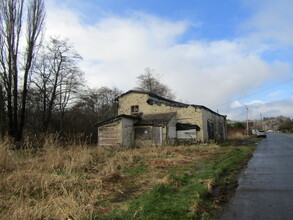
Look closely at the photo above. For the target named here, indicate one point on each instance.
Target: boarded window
(186, 134)
(108, 135)
(186, 130)
(134, 108)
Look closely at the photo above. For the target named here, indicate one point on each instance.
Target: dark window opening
(186, 126)
(134, 109)
(211, 130)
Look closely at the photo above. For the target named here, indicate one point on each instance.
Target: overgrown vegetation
(86, 182)
(286, 126)
(187, 191)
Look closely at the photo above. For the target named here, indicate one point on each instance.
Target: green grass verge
(187, 195)
(136, 170)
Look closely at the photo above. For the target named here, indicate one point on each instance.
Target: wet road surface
(265, 188)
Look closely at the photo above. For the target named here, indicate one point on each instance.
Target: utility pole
(261, 121)
(247, 120)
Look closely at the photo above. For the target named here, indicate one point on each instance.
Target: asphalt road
(265, 188)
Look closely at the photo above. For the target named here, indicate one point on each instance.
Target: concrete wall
(127, 132)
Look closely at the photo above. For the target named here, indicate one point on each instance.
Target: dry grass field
(88, 182)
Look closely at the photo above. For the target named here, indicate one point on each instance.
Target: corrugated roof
(156, 119)
(116, 118)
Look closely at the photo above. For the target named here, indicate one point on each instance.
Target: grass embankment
(184, 182)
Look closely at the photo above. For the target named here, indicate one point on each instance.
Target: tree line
(42, 88)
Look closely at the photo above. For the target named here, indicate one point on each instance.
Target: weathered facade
(145, 118)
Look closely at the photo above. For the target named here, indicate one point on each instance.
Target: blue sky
(221, 54)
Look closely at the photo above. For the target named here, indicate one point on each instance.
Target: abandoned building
(145, 118)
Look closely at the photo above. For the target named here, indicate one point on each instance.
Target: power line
(252, 94)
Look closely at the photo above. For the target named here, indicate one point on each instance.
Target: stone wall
(185, 114)
(188, 114)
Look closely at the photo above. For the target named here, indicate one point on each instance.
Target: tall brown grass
(58, 181)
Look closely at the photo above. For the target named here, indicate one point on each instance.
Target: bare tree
(70, 83)
(13, 72)
(56, 80)
(101, 102)
(2, 112)
(149, 81)
(92, 106)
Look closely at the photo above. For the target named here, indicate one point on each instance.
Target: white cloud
(272, 22)
(267, 109)
(236, 104)
(275, 93)
(117, 49)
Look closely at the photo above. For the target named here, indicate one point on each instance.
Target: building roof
(154, 95)
(168, 101)
(144, 119)
(156, 119)
(116, 118)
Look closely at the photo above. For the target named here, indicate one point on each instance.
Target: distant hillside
(268, 123)
(273, 123)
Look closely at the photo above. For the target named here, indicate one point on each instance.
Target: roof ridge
(169, 100)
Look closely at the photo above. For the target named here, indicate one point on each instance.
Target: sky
(224, 54)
